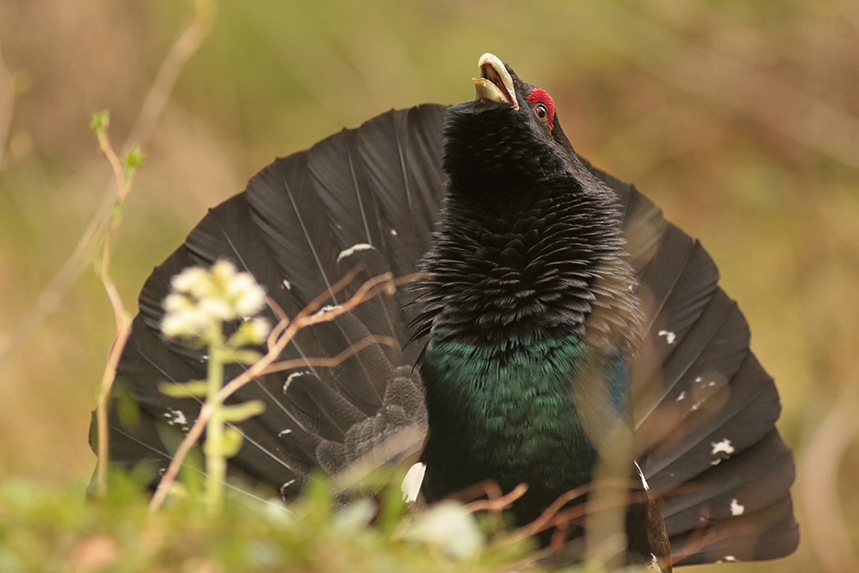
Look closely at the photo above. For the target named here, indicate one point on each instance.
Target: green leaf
(116, 209)
(250, 332)
(192, 389)
(242, 412)
(231, 443)
(116, 213)
(131, 162)
(134, 158)
(242, 356)
(100, 121)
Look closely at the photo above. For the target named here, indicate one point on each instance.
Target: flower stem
(216, 463)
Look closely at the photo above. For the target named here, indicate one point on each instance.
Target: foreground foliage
(46, 530)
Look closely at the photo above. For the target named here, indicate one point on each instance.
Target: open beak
(495, 82)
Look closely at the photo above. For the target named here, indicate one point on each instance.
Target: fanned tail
(365, 198)
(703, 408)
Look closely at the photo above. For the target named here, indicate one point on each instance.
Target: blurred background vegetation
(740, 119)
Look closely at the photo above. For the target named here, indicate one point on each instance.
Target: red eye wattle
(545, 106)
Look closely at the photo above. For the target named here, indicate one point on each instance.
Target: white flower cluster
(201, 299)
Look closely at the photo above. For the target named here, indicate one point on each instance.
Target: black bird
(556, 312)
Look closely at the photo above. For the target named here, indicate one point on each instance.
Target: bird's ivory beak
(494, 82)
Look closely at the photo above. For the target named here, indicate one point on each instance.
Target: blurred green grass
(740, 119)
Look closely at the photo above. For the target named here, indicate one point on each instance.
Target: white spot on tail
(736, 508)
(716, 462)
(723, 446)
(175, 417)
(669, 336)
(288, 285)
(698, 379)
(412, 482)
(681, 396)
(354, 249)
(292, 377)
(641, 475)
(284, 486)
(284, 432)
(653, 565)
(394, 232)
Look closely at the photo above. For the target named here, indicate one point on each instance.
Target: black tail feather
(703, 407)
(364, 198)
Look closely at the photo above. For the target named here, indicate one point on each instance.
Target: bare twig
(488, 487)
(493, 492)
(181, 51)
(320, 362)
(282, 322)
(498, 503)
(52, 295)
(101, 409)
(370, 289)
(152, 108)
(122, 174)
(824, 452)
(555, 515)
(545, 519)
(697, 540)
(306, 317)
(151, 111)
(7, 99)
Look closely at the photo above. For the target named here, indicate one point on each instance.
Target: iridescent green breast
(508, 409)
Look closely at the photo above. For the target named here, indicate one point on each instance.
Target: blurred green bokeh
(740, 119)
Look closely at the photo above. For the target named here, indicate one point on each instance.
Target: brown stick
(498, 503)
(123, 324)
(153, 107)
(553, 516)
(380, 284)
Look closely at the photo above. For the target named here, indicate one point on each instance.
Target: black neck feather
(527, 264)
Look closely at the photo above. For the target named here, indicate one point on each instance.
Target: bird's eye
(544, 107)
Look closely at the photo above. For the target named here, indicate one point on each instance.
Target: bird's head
(510, 133)
(530, 240)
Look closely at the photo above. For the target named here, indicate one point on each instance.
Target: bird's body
(524, 271)
(506, 417)
(554, 306)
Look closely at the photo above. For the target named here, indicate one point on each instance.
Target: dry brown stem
(151, 111)
(123, 324)
(497, 502)
(7, 98)
(824, 452)
(287, 330)
(555, 515)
